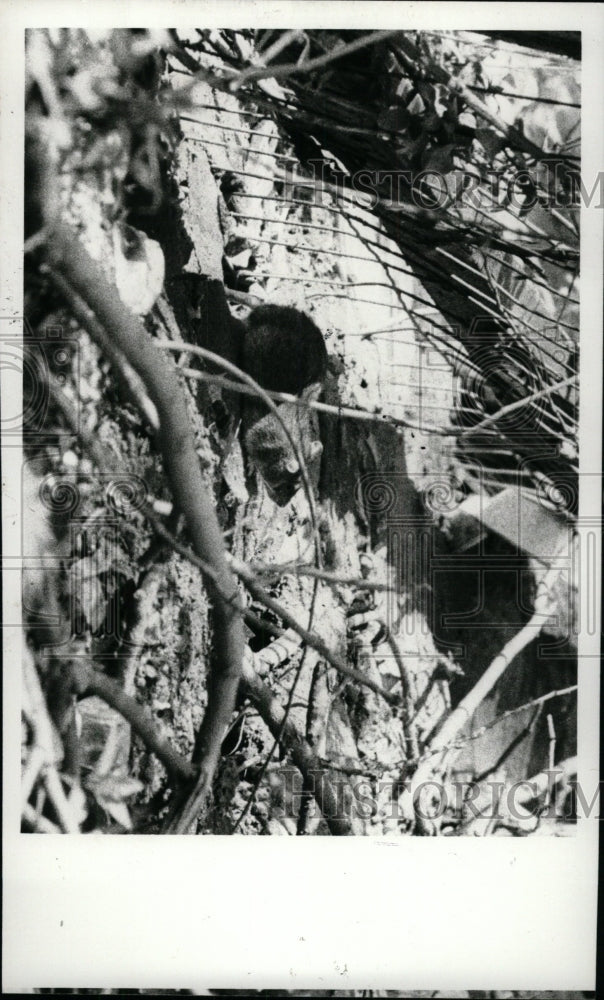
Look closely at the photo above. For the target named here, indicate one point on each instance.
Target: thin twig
(542, 782)
(260, 594)
(412, 59)
(279, 734)
(326, 576)
(291, 69)
(340, 412)
(307, 762)
(283, 40)
(287, 710)
(518, 404)
(542, 699)
(407, 689)
(317, 716)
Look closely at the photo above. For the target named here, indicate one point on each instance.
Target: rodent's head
(271, 452)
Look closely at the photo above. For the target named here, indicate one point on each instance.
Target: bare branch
(308, 763)
(341, 412)
(291, 69)
(411, 56)
(468, 705)
(442, 743)
(334, 579)
(517, 405)
(260, 594)
(89, 681)
(68, 257)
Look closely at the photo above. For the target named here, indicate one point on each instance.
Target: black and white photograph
(301, 434)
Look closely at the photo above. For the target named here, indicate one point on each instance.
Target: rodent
(283, 350)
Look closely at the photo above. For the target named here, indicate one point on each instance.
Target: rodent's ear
(315, 450)
(292, 466)
(311, 392)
